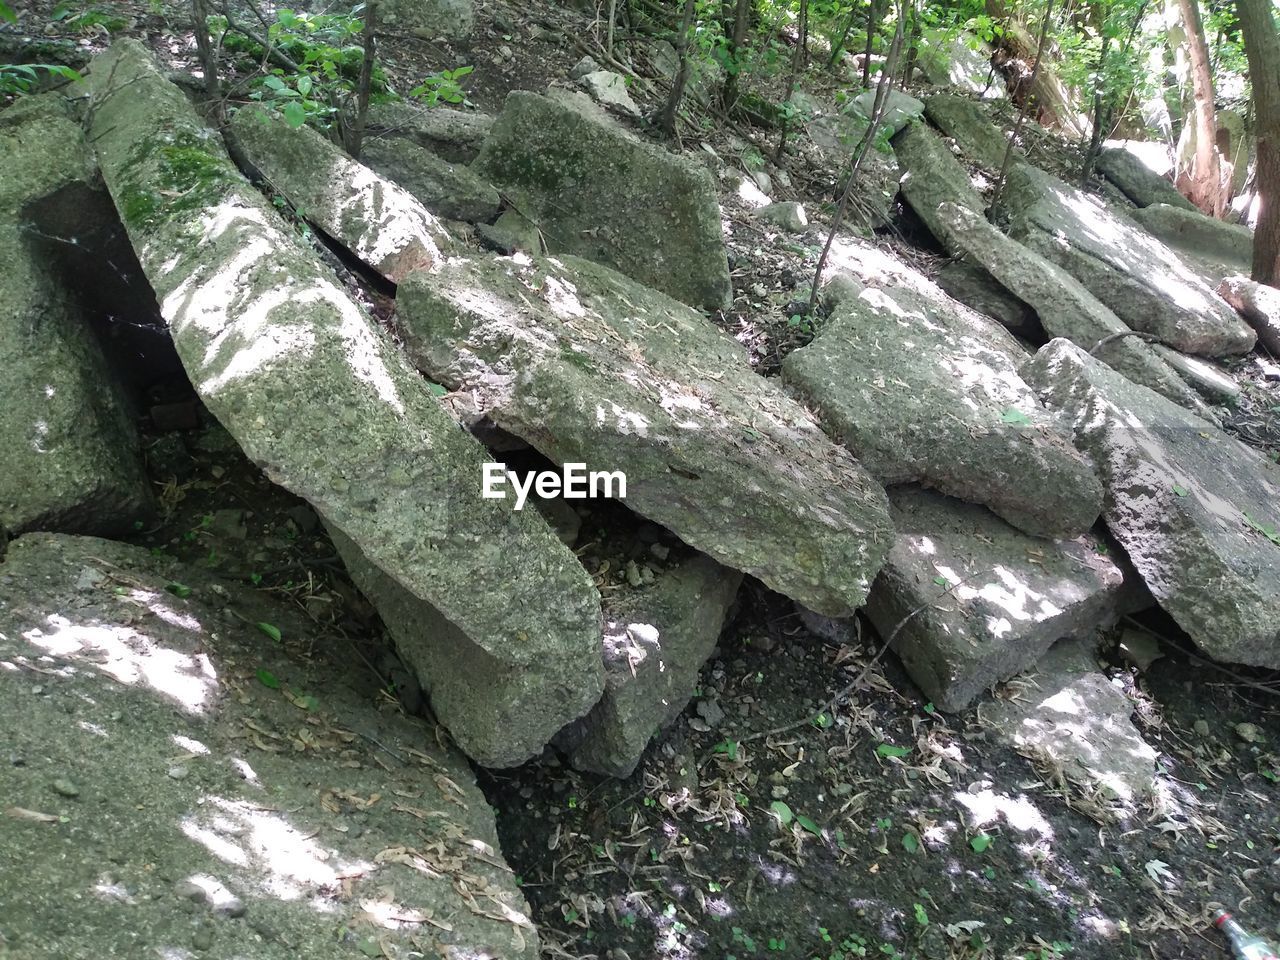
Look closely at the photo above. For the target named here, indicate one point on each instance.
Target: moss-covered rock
(316, 395)
(71, 454)
(599, 193)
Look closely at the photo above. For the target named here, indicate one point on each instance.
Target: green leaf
(6, 13)
(271, 630)
(1180, 490)
(304, 85)
(1014, 415)
(922, 917)
(980, 842)
(436, 389)
(808, 824)
(307, 702)
(268, 679)
(910, 843)
(295, 114)
(274, 83)
(178, 589)
(782, 812)
(941, 581)
(889, 750)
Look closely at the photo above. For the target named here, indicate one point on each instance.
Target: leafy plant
(442, 87)
(19, 78)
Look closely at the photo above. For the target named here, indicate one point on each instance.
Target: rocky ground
(809, 802)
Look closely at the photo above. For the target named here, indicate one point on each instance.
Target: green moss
(188, 176)
(137, 207)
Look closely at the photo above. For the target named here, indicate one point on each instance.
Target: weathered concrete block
(598, 193)
(381, 223)
(656, 640)
(592, 367)
(1016, 595)
(1195, 509)
(921, 389)
(327, 405)
(278, 753)
(71, 454)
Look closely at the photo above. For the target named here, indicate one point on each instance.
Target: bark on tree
(737, 42)
(1202, 183)
(1262, 48)
(670, 112)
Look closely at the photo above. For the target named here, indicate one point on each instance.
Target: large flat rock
(1068, 716)
(380, 222)
(447, 189)
(1220, 248)
(1011, 596)
(1137, 181)
(599, 193)
(325, 403)
(1259, 304)
(933, 176)
(1065, 307)
(1195, 509)
(591, 367)
(1142, 281)
(969, 124)
(71, 453)
(217, 775)
(923, 390)
(453, 135)
(656, 639)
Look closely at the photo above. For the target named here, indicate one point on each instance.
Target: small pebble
(778, 792)
(660, 550)
(1201, 727)
(65, 788)
(1248, 732)
(178, 772)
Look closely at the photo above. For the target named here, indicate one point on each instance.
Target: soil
(820, 842)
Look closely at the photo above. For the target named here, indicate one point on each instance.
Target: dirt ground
(886, 829)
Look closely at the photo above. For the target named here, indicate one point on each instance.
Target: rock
(1070, 717)
(596, 192)
(448, 190)
(976, 288)
(1140, 279)
(1201, 727)
(920, 389)
(655, 642)
(1017, 595)
(1195, 509)
(1139, 182)
(1207, 378)
(510, 233)
(1248, 732)
(788, 214)
(380, 223)
(1064, 306)
(960, 61)
(610, 90)
(1222, 248)
(898, 110)
(134, 670)
(763, 182)
(452, 135)
(1258, 304)
(932, 176)
(328, 405)
(64, 787)
(71, 453)
(429, 19)
(969, 125)
(499, 697)
(589, 366)
(583, 67)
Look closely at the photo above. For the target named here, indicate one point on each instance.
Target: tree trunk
(875, 10)
(355, 136)
(1202, 183)
(737, 40)
(797, 64)
(1262, 47)
(1022, 114)
(667, 121)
